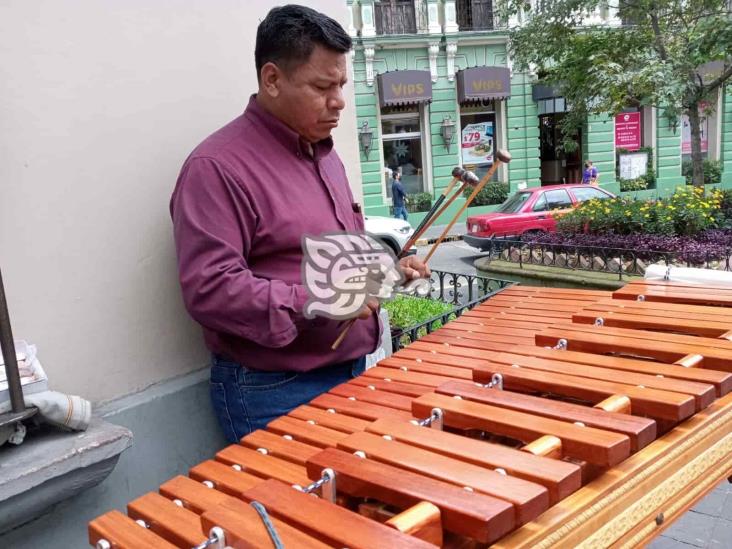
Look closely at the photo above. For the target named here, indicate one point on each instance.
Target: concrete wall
(726, 147)
(174, 429)
(100, 104)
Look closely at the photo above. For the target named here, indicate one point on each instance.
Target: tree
(656, 57)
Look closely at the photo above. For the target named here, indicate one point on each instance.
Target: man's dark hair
(288, 35)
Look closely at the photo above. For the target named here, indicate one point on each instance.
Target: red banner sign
(628, 131)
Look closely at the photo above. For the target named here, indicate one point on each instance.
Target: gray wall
(174, 429)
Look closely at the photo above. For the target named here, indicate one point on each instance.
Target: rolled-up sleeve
(214, 223)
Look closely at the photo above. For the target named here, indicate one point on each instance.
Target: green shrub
(419, 202)
(492, 193)
(712, 171)
(639, 184)
(687, 212)
(406, 311)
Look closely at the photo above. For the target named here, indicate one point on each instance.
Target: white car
(391, 231)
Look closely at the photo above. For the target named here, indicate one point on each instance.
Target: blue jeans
(245, 399)
(400, 212)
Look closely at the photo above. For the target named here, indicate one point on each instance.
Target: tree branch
(714, 84)
(657, 33)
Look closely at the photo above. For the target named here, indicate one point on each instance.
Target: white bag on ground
(59, 409)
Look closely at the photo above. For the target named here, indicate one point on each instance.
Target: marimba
(543, 418)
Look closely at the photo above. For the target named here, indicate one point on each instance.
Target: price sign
(477, 144)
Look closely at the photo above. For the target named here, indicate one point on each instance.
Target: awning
(543, 91)
(478, 83)
(404, 87)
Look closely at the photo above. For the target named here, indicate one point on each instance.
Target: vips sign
(628, 131)
(480, 83)
(404, 87)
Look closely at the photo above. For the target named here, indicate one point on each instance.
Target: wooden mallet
(502, 157)
(468, 179)
(458, 174)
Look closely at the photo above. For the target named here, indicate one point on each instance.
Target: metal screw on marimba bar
(599, 321)
(103, 544)
(641, 297)
(496, 382)
(561, 345)
(435, 420)
(326, 483)
(216, 538)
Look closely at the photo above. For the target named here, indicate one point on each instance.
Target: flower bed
(688, 211)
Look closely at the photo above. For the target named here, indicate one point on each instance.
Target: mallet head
(470, 178)
(457, 172)
(503, 155)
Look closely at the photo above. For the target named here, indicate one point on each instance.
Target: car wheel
(389, 243)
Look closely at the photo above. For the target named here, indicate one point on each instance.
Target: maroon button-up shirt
(243, 201)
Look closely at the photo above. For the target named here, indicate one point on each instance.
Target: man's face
(309, 97)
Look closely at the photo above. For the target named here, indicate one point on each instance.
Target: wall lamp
(448, 131)
(365, 135)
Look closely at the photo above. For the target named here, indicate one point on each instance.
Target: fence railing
(464, 291)
(620, 261)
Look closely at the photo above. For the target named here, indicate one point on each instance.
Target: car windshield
(513, 204)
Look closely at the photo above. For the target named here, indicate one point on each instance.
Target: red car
(528, 211)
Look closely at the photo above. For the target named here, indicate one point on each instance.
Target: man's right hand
(371, 306)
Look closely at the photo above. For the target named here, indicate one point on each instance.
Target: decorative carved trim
(434, 18)
(368, 27)
(434, 49)
(368, 52)
(688, 482)
(351, 61)
(557, 537)
(351, 27)
(450, 17)
(451, 49)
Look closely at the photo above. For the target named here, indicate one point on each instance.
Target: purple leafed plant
(706, 246)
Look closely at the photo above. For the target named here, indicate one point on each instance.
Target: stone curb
(427, 241)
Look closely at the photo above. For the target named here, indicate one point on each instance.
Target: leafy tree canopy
(653, 58)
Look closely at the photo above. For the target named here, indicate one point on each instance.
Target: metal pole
(8, 350)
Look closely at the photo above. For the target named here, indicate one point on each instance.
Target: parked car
(391, 231)
(528, 211)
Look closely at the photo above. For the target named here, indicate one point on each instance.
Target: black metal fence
(620, 261)
(463, 291)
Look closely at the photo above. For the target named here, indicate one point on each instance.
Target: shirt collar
(286, 135)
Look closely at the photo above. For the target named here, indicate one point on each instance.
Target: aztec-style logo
(341, 271)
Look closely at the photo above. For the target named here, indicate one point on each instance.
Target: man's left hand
(413, 267)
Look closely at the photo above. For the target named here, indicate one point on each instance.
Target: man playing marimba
(244, 199)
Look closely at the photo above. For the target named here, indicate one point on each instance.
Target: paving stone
(727, 508)
(693, 528)
(721, 536)
(664, 542)
(712, 504)
(725, 487)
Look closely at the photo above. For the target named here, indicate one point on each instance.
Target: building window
(474, 14)
(478, 138)
(395, 17)
(402, 142)
(709, 126)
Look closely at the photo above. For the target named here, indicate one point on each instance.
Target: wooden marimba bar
(542, 418)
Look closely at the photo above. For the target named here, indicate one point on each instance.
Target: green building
(435, 89)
